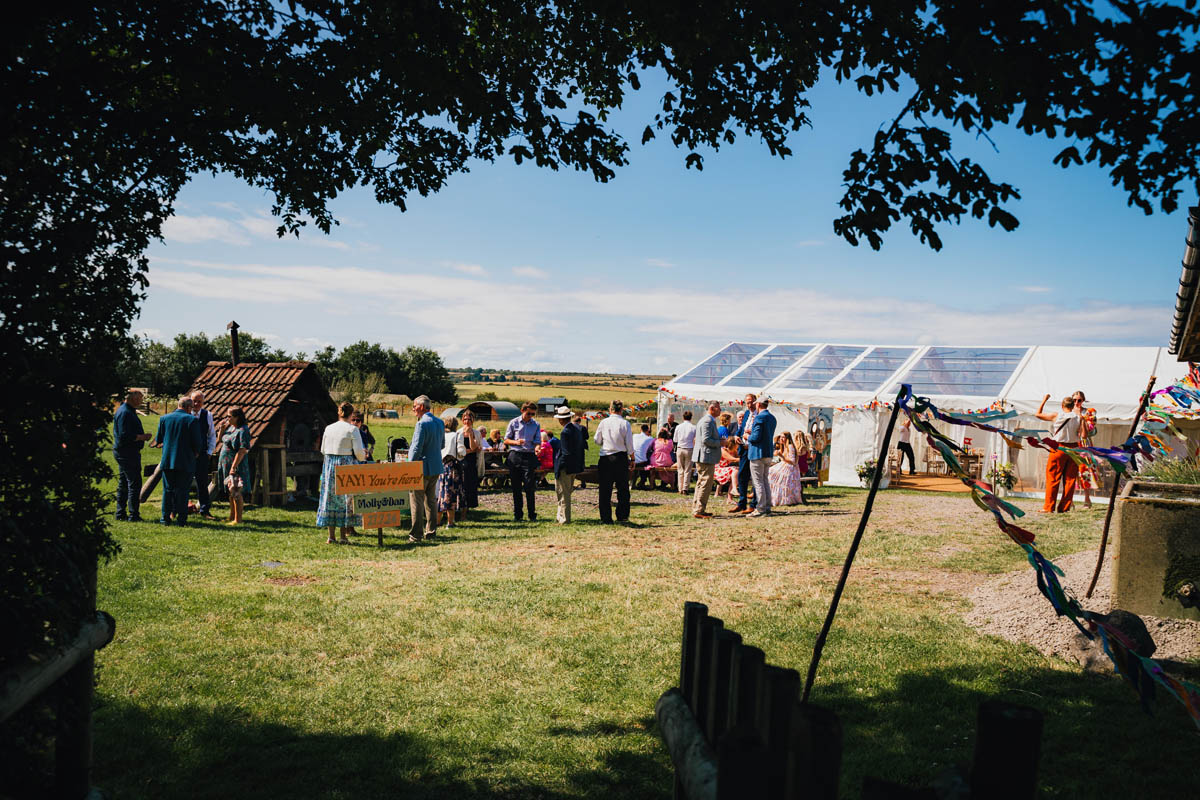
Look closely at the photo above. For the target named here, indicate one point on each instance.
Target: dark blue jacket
(762, 436)
(572, 443)
(127, 426)
(182, 437)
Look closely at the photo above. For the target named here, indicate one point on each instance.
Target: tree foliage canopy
(113, 106)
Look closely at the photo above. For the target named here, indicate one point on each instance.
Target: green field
(519, 393)
(523, 660)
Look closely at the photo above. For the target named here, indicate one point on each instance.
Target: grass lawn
(523, 660)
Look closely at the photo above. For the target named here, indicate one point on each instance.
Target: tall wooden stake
(1112, 496)
(880, 465)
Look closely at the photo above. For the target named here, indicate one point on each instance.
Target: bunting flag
(1142, 674)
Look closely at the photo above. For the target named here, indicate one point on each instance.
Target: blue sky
(525, 268)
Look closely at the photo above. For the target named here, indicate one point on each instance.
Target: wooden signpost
(380, 490)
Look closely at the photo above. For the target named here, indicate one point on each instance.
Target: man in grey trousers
(705, 455)
(761, 452)
(429, 438)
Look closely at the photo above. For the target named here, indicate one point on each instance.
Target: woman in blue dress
(232, 467)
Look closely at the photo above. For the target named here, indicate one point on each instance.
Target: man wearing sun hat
(568, 461)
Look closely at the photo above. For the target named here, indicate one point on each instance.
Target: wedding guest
(725, 474)
(182, 441)
(341, 444)
(1061, 469)
(723, 430)
(670, 425)
(904, 445)
(205, 418)
(761, 449)
(642, 442)
(615, 437)
(706, 453)
(521, 439)
(545, 453)
(128, 440)
(745, 504)
(1088, 475)
(429, 439)
(685, 442)
(360, 422)
(472, 462)
(568, 462)
(784, 477)
(450, 494)
(232, 467)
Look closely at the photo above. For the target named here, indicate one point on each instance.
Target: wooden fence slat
(1008, 745)
(747, 678)
(692, 614)
(720, 687)
(879, 789)
(741, 765)
(703, 658)
(816, 753)
(782, 690)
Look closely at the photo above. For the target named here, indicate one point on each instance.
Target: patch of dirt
(1011, 607)
(291, 580)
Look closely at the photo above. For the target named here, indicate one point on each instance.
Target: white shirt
(685, 435)
(1065, 428)
(641, 446)
(905, 434)
(614, 434)
(212, 430)
(343, 439)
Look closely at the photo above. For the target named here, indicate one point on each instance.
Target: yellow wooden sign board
(379, 478)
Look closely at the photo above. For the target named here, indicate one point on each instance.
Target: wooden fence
(735, 728)
(68, 672)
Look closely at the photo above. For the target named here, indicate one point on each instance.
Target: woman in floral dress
(341, 444)
(450, 495)
(784, 477)
(232, 467)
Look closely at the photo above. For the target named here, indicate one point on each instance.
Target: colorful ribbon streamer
(1143, 674)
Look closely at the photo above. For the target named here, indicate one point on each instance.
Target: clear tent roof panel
(717, 367)
(875, 368)
(771, 365)
(982, 371)
(826, 366)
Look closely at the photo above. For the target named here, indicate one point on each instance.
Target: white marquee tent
(824, 387)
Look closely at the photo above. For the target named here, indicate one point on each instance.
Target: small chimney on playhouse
(233, 341)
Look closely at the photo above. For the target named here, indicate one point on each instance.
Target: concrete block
(1156, 550)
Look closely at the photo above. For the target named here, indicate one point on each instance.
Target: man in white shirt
(615, 437)
(643, 443)
(202, 459)
(685, 440)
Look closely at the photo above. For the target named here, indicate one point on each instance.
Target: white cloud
(653, 329)
(189, 230)
(467, 269)
(1035, 289)
(266, 337)
(660, 262)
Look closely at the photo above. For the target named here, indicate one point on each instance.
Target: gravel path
(1011, 607)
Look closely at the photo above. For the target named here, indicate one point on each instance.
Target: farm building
(287, 407)
(490, 410)
(548, 405)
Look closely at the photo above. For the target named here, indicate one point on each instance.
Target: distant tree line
(169, 369)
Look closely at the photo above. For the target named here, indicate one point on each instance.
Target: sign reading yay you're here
(380, 490)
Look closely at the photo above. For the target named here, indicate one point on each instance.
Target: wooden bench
(735, 728)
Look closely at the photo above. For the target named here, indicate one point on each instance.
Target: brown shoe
(701, 516)
(747, 511)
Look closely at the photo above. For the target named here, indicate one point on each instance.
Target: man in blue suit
(741, 431)
(761, 448)
(568, 462)
(182, 439)
(429, 439)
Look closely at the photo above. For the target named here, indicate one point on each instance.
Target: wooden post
(816, 751)
(705, 639)
(23, 683)
(695, 763)
(264, 476)
(73, 737)
(1112, 495)
(862, 526)
(726, 641)
(781, 688)
(741, 765)
(692, 614)
(1008, 744)
(746, 675)
(150, 484)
